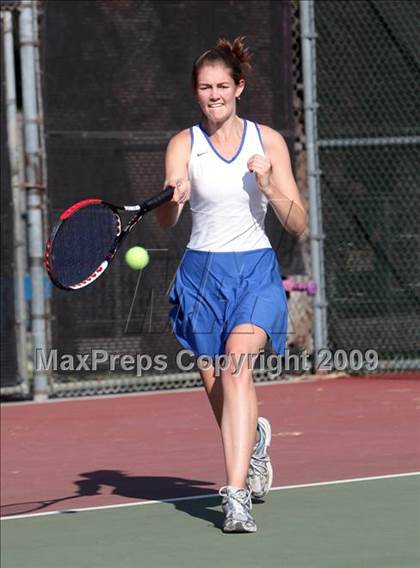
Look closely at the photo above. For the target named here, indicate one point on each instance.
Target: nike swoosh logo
(201, 153)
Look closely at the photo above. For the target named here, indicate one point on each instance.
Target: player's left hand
(261, 166)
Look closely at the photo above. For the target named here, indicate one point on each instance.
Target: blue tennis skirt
(213, 292)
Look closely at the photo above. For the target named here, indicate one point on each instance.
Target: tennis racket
(87, 237)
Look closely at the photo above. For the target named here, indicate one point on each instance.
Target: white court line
(209, 496)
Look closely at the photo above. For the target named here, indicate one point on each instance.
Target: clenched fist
(261, 167)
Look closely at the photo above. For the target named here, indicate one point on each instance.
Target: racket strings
(83, 242)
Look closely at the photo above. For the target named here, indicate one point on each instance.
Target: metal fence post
(34, 192)
(19, 238)
(315, 214)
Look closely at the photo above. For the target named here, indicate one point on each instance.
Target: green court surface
(362, 523)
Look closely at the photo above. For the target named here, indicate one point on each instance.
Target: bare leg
(214, 390)
(213, 386)
(240, 412)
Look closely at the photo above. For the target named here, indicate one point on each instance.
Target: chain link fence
(106, 136)
(109, 115)
(367, 76)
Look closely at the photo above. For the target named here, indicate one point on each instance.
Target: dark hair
(235, 56)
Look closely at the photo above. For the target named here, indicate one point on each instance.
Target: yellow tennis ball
(137, 258)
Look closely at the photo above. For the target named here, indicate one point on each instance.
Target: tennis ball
(137, 258)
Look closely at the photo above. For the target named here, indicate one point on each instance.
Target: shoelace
(240, 496)
(258, 465)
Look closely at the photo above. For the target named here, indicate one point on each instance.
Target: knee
(237, 370)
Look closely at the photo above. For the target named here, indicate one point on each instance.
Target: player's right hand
(182, 190)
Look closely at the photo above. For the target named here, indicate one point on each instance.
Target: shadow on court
(155, 488)
(142, 488)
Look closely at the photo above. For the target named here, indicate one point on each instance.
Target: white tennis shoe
(237, 506)
(260, 472)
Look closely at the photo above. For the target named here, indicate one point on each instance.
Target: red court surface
(113, 450)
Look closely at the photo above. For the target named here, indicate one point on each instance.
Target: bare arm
(275, 179)
(176, 174)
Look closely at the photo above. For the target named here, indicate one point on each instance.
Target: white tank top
(228, 210)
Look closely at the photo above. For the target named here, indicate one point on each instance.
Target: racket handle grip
(159, 199)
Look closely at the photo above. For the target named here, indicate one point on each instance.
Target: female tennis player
(228, 297)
